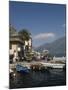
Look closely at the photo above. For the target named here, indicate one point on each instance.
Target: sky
(45, 22)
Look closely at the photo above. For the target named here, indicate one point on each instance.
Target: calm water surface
(52, 77)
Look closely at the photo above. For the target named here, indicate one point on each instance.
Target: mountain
(56, 48)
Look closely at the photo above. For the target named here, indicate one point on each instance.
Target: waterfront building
(45, 51)
(18, 46)
(28, 44)
(62, 59)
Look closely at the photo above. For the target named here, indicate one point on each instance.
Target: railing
(16, 39)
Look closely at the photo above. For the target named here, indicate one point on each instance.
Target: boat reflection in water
(38, 79)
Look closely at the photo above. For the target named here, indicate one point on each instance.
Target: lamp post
(19, 49)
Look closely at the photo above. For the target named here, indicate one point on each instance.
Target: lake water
(53, 77)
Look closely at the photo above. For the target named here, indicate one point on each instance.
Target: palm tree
(25, 34)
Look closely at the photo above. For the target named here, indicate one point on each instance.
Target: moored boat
(22, 69)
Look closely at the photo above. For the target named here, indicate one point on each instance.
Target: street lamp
(19, 49)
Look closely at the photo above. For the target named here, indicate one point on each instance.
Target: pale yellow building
(18, 47)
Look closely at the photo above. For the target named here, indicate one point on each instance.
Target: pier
(53, 65)
(39, 65)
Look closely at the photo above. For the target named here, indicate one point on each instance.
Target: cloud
(64, 25)
(44, 36)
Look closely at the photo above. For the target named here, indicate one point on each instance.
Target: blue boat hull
(22, 69)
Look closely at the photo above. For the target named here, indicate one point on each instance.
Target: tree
(25, 34)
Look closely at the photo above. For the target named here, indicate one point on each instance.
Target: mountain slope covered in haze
(56, 48)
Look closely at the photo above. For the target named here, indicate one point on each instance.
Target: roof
(16, 38)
